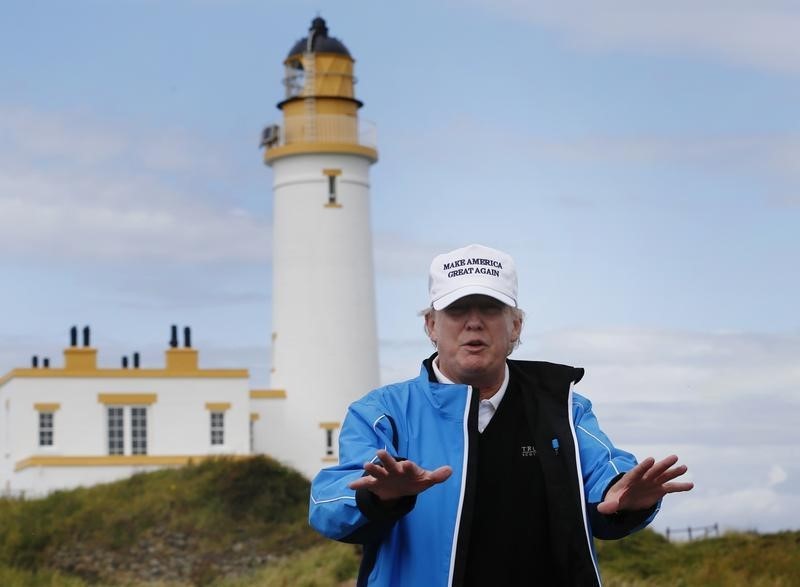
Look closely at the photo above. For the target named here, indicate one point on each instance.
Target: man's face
(474, 336)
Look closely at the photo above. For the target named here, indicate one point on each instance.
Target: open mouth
(474, 345)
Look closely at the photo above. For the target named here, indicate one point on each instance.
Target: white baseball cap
(474, 269)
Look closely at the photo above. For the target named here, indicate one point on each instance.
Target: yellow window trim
(46, 407)
(127, 398)
(332, 172)
(267, 394)
(330, 460)
(255, 417)
(329, 425)
(218, 407)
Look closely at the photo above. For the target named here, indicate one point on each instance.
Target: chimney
(135, 360)
(181, 359)
(46, 363)
(173, 341)
(80, 358)
(35, 362)
(124, 362)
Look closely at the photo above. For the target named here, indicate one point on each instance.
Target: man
(482, 470)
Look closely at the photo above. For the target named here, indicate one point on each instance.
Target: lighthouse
(324, 335)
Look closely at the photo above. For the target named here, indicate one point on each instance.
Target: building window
(139, 431)
(217, 428)
(46, 428)
(330, 429)
(329, 442)
(116, 431)
(332, 175)
(134, 442)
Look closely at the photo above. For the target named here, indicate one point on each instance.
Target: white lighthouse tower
(324, 339)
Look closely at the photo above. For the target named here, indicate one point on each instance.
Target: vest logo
(528, 451)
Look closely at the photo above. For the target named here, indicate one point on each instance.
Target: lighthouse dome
(320, 41)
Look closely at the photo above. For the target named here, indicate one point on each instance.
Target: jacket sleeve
(339, 512)
(602, 464)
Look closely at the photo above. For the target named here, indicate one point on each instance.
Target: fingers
(389, 462)
(639, 471)
(678, 487)
(608, 507)
(658, 468)
(440, 474)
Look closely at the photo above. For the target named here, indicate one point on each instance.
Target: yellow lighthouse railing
(321, 128)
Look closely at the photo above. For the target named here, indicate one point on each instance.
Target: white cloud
(777, 475)
(761, 35)
(75, 189)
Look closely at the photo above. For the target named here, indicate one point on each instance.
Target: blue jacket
(417, 543)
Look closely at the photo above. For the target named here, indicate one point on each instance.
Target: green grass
(733, 560)
(222, 509)
(255, 504)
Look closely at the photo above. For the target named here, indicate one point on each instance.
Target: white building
(79, 424)
(324, 339)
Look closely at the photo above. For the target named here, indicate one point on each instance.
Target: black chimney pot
(86, 336)
(173, 341)
(35, 362)
(135, 360)
(124, 362)
(187, 337)
(46, 363)
(73, 336)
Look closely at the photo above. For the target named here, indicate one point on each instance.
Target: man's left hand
(641, 487)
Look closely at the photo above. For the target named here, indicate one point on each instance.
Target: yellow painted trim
(117, 460)
(80, 358)
(295, 56)
(267, 394)
(333, 205)
(254, 417)
(218, 407)
(46, 407)
(332, 172)
(182, 359)
(29, 373)
(330, 460)
(127, 398)
(274, 153)
(330, 425)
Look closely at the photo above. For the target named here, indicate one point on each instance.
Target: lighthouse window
(331, 189)
(332, 175)
(329, 442)
(45, 428)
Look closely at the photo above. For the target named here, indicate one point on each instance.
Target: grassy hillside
(733, 560)
(228, 523)
(191, 524)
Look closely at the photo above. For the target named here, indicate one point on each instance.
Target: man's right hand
(392, 479)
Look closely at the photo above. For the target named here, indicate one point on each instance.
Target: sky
(641, 163)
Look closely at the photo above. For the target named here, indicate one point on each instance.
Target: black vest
(509, 540)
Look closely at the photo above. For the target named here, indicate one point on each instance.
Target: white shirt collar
(494, 400)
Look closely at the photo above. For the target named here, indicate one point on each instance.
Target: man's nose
(474, 318)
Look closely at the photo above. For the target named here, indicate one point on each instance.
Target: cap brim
(470, 290)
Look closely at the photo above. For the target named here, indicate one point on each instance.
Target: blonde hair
(516, 313)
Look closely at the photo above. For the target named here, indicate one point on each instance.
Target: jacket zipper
(454, 541)
(580, 484)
